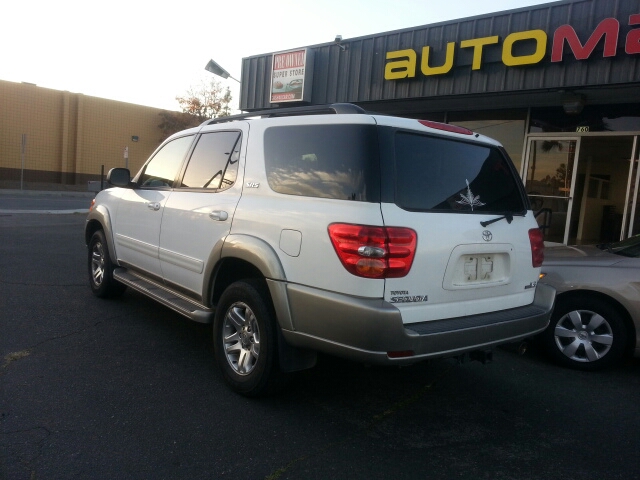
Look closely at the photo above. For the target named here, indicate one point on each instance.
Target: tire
(245, 339)
(585, 333)
(101, 278)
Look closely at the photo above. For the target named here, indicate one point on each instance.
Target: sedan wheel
(586, 333)
(583, 336)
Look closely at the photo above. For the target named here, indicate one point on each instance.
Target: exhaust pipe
(519, 347)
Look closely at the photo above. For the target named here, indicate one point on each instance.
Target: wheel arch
(245, 256)
(100, 219)
(255, 251)
(230, 270)
(624, 314)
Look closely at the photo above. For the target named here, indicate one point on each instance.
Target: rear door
(443, 187)
(198, 214)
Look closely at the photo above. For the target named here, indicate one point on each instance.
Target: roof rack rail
(333, 108)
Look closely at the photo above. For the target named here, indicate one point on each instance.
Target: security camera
(338, 38)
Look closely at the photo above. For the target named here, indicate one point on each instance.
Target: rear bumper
(366, 330)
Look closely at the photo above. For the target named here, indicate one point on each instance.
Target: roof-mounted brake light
(447, 127)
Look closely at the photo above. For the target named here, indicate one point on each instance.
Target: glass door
(600, 197)
(631, 216)
(549, 179)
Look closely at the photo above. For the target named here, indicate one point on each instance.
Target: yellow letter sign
(405, 68)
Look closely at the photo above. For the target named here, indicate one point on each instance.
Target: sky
(147, 53)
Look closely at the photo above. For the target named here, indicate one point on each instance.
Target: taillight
(93, 202)
(537, 247)
(374, 252)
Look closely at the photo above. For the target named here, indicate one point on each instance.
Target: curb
(44, 212)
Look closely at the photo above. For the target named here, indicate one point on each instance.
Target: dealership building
(558, 84)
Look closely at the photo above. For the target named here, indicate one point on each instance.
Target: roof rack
(333, 108)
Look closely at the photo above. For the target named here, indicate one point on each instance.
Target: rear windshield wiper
(507, 216)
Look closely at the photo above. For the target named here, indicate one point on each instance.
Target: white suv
(381, 239)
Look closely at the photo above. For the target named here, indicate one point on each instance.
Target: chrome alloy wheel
(583, 335)
(97, 263)
(241, 338)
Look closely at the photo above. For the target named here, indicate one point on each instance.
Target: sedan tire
(585, 333)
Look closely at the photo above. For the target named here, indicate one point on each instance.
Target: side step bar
(169, 298)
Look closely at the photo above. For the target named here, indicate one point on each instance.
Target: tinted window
(164, 166)
(434, 173)
(214, 162)
(328, 161)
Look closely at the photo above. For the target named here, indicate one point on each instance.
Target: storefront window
(506, 126)
(592, 118)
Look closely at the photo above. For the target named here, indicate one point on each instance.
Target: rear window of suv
(438, 174)
(327, 161)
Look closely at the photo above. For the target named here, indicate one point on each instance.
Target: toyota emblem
(487, 236)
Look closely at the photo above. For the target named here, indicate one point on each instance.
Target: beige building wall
(69, 136)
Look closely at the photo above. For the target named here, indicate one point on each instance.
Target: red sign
(282, 97)
(285, 60)
(288, 76)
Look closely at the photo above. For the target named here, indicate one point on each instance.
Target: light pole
(216, 69)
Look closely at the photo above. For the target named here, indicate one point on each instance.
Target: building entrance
(583, 188)
(549, 169)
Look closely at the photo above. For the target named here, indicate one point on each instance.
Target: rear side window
(438, 174)
(214, 162)
(327, 161)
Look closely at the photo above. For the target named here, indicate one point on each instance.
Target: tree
(206, 101)
(199, 103)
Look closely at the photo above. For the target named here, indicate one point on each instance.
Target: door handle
(155, 206)
(219, 215)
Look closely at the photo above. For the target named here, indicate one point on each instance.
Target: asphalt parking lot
(128, 389)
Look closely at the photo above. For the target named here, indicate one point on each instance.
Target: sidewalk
(53, 193)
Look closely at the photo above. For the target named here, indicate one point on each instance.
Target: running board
(167, 297)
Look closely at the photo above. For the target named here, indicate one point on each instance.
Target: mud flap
(294, 359)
